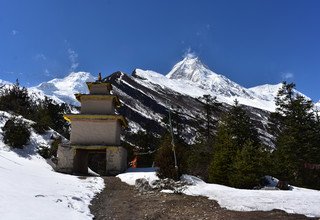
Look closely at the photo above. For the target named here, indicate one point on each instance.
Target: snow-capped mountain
(3, 82)
(147, 95)
(193, 72)
(266, 92)
(63, 90)
(191, 77)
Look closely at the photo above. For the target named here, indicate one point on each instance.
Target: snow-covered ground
(30, 189)
(299, 200)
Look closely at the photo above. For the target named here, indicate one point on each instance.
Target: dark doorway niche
(97, 162)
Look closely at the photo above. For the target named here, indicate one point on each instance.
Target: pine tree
(164, 158)
(236, 151)
(248, 167)
(48, 114)
(198, 160)
(223, 156)
(200, 154)
(17, 100)
(297, 138)
(211, 106)
(240, 126)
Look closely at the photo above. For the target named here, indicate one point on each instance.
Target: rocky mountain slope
(147, 95)
(146, 103)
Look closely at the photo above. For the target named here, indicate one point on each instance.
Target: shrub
(164, 159)
(39, 128)
(44, 152)
(16, 99)
(16, 133)
(54, 146)
(49, 152)
(198, 160)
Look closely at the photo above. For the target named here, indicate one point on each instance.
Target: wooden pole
(172, 142)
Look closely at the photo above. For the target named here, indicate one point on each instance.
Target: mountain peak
(65, 88)
(191, 58)
(190, 68)
(76, 76)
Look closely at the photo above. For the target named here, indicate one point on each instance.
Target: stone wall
(65, 154)
(116, 160)
(95, 132)
(99, 89)
(97, 107)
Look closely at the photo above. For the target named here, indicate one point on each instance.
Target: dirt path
(121, 201)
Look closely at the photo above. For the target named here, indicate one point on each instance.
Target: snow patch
(298, 201)
(30, 189)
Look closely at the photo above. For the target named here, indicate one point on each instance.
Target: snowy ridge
(182, 86)
(269, 92)
(3, 82)
(266, 92)
(63, 90)
(188, 77)
(191, 77)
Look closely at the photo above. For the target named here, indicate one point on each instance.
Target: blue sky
(251, 42)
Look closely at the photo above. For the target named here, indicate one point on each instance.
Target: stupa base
(74, 159)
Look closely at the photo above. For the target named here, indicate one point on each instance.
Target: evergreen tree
(17, 100)
(172, 149)
(223, 156)
(211, 106)
(164, 158)
(297, 138)
(198, 160)
(44, 112)
(236, 151)
(200, 154)
(240, 126)
(48, 114)
(16, 133)
(248, 166)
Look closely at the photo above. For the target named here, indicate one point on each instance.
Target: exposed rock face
(146, 106)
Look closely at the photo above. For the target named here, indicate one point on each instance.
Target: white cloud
(189, 53)
(287, 75)
(47, 72)
(14, 32)
(73, 57)
(40, 56)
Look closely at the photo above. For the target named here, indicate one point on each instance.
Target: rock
(169, 184)
(283, 185)
(142, 185)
